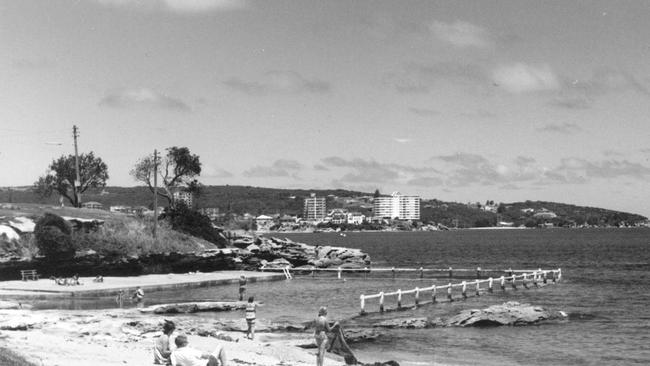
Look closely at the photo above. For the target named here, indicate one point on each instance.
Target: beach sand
(125, 337)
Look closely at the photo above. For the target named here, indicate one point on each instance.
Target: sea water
(605, 289)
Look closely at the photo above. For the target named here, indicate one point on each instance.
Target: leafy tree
(53, 237)
(93, 173)
(177, 170)
(376, 194)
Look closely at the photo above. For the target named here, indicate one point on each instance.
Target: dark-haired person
(184, 355)
(163, 346)
(251, 306)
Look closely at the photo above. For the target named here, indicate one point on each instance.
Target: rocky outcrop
(279, 253)
(408, 323)
(510, 313)
(194, 307)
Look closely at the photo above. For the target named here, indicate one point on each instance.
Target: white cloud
(402, 140)
(284, 82)
(523, 78)
(128, 98)
(461, 34)
(179, 6)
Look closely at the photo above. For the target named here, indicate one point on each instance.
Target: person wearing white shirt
(188, 356)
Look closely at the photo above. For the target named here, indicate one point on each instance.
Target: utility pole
(75, 133)
(155, 193)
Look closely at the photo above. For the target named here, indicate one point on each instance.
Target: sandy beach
(126, 336)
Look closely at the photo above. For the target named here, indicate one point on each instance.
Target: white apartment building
(397, 206)
(314, 209)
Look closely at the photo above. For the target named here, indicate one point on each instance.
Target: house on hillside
(93, 205)
(264, 222)
(356, 218)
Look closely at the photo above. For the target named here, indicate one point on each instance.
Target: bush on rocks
(53, 237)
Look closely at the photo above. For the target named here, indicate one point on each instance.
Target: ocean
(605, 289)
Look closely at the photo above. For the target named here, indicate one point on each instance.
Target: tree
(62, 176)
(194, 223)
(376, 194)
(177, 170)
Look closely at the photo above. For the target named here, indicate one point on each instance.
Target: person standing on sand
(251, 306)
(321, 327)
(242, 287)
(188, 356)
(162, 348)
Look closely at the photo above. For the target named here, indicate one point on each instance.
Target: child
(250, 317)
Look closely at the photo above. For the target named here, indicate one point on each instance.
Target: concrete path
(112, 285)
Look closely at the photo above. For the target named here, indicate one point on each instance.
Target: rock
(510, 313)
(194, 307)
(409, 323)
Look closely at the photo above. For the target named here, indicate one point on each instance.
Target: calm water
(605, 289)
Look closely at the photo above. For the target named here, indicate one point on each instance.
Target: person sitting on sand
(162, 348)
(99, 278)
(188, 356)
(321, 327)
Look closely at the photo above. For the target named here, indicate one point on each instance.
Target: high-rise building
(397, 206)
(314, 208)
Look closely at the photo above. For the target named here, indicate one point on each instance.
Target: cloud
(179, 6)
(522, 78)
(463, 169)
(357, 171)
(214, 172)
(461, 34)
(575, 102)
(32, 63)
(577, 170)
(424, 112)
(280, 82)
(416, 78)
(280, 168)
(425, 181)
(563, 128)
(130, 98)
(402, 140)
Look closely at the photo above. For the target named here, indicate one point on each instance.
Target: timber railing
(526, 279)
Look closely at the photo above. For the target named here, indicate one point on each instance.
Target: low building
(264, 222)
(356, 218)
(93, 205)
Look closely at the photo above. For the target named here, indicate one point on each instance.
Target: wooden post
(433, 294)
(449, 292)
(477, 287)
(399, 298)
(503, 283)
(421, 272)
(363, 304)
(464, 289)
(339, 273)
(417, 297)
(523, 280)
(450, 273)
(393, 270)
(478, 273)
(381, 302)
(553, 274)
(490, 280)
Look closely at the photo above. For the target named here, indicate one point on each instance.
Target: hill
(258, 200)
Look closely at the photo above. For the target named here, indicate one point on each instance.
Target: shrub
(53, 237)
(194, 223)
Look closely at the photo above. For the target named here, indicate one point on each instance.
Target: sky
(461, 101)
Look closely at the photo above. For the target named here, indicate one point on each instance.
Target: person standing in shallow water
(242, 287)
(321, 327)
(138, 296)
